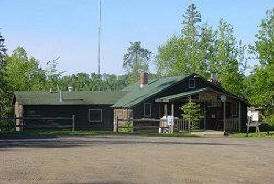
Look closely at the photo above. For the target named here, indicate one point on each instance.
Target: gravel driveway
(136, 159)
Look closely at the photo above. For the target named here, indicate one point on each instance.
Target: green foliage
(193, 113)
(135, 61)
(270, 120)
(260, 84)
(4, 94)
(182, 54)
(6, 127)
(18, 72)
(128, 127)
(260, 87)
(3, 49)
(254, 135)
(93, 82)
(202, 50)
(53, 76)
(23, 73)
(264, 46)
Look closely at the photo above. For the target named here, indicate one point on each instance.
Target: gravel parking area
(136, 159)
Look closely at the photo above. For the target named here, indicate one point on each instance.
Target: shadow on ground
(95, 141)
(106, 182)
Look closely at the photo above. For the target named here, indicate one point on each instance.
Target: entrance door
(214, 116)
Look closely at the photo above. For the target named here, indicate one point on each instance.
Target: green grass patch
(57, 133)
(257, 135)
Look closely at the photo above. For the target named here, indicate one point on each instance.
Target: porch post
(239, 117)
(223, 99)
(165, 109)
(172, 114)
(205, 115)
(224, 116)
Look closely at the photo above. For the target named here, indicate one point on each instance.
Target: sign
(209, 96)
(170, 120)
(254, 115)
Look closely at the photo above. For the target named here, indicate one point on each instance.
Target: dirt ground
(136, 159)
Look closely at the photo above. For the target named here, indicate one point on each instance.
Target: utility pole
(99, 37)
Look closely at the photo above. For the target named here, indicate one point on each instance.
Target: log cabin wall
(81, 112)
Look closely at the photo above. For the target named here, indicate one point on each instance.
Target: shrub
(270, 120)
(6, 126)
(128, 127)
(193, 113)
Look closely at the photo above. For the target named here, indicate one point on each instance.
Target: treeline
(21, 73)
(198, 48)
(24, 74)
(201, 49)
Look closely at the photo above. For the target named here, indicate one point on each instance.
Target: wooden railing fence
(180, 125)
(23, 125)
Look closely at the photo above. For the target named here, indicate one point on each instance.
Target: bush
(270, 120)
(128, 127)
(6, 127)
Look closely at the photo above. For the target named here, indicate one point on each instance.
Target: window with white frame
(191, 83)
(147, 109)
(95, 115)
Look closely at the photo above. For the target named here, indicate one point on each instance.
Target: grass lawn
(258, 135)
(57, 133)
(54, 133)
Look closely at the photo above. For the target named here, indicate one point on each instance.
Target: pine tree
(192, 18)
(136, 60)
(182, 54)
(3, 49)
(192, 113)
(4, 100)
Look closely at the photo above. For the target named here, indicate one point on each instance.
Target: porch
(222, 112)
(179, 126)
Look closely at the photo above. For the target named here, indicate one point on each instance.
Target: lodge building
(147, 99)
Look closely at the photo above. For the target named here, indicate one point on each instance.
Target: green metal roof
(126, 98)
(136, 94)
(181, 95)
(69, 98)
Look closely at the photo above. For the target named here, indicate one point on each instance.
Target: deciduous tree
(261, 82)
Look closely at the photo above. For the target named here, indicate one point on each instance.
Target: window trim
(92, 121)
(145, 115)
(194, 85)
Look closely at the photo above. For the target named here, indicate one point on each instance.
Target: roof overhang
(182, 95)
(171, 98)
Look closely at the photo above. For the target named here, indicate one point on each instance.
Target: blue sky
(68, 28)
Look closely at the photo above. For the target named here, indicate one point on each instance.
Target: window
(235, 109)
(147, 109)
(95, 115)
(191, 83)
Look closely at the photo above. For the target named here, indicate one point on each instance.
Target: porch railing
(181, 125)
